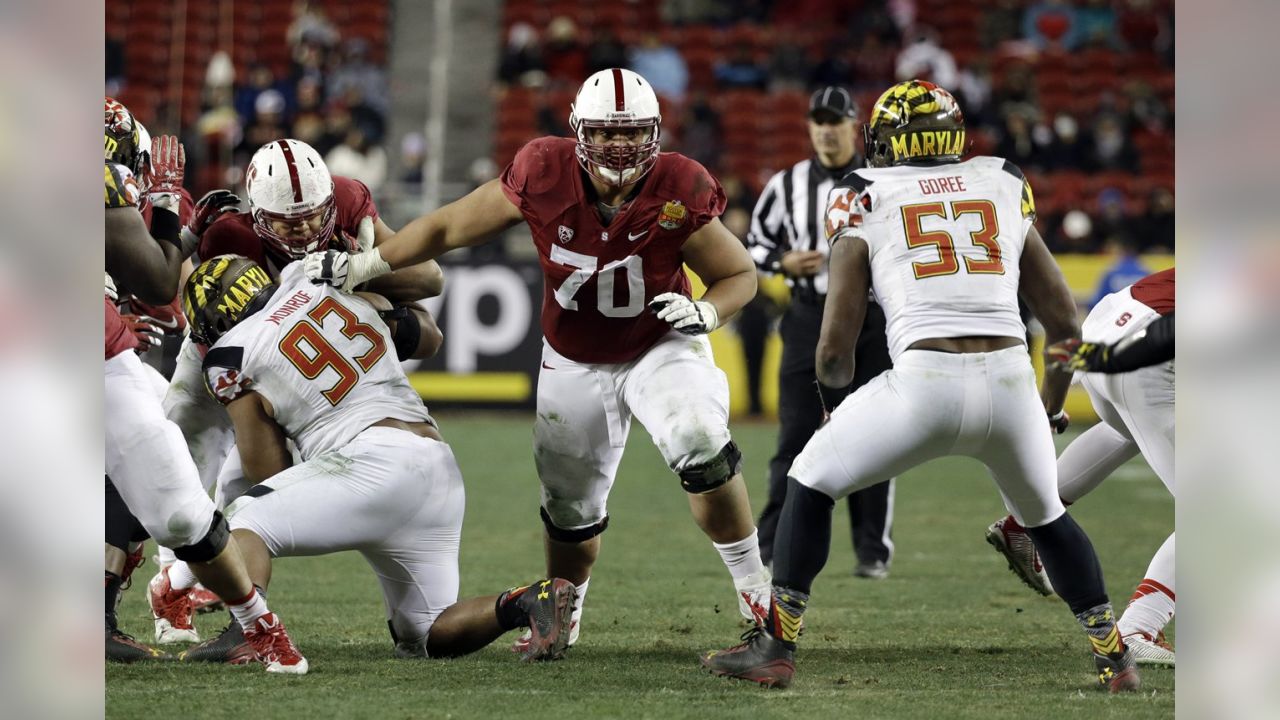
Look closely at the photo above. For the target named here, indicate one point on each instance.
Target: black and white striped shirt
(791, 215)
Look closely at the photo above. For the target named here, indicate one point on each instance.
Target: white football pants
(147, 459)
(584, 415)
(934, 404)
(395, 497)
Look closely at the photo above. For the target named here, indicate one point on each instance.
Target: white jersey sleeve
(944, 240)
(323, 359)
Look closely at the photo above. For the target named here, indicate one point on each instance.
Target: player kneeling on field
(296, 361)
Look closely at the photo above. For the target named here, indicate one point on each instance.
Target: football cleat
(229, 647)
(274, 649)
(123, 648)
(172, 611)
(204, 600)
(1015, 544)
(552, 629)
(760, 658)
(755, 593)
(1117, 672)
(1147, 651)
(875, 570)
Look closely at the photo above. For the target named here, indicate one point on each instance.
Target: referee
(787, 236)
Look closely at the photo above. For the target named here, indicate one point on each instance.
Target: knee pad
(408, 330)
(708, 476)
(122, 527)
(210, 546)
(559, 534)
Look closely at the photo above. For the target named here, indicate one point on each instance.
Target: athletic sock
(1152, 604)
(1071, 564)
(742, 557)
(112, 583)
(165, 556)
(1099, 624)
(180, 576)
(803, 541)
(249, 608)
(582, 594)
(784, 614)
(508, 610)
(1149, 610)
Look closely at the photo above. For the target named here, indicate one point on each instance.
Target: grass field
(950, 634)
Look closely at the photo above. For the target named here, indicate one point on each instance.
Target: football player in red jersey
(145, 456)
(295, 206)
(614, 221)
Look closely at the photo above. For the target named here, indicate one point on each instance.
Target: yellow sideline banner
(1083, 273)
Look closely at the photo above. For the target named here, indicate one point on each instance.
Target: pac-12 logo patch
(672, 216)
(566, 233)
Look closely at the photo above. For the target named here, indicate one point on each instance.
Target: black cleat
(760, 658)
(549, 606)
(1118, 672)
(123, 648)
(229, 646)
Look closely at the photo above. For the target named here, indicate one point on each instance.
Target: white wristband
(364, 266)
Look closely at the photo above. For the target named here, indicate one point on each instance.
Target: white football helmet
(616, 98)
(291, 197)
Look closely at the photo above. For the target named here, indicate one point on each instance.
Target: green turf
(951, 634)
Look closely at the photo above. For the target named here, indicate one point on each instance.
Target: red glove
(144, 329)
(168, 318)
(168, 166)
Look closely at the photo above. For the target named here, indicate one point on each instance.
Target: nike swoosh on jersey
(632, 237)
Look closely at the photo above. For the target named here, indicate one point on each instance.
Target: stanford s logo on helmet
(914, 120)
(291, 198)
(221, 292)
(616, 98)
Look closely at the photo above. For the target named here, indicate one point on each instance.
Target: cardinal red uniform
(606, 356)
(598, 277)
(232, 234)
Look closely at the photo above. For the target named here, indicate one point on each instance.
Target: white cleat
(171, 609)
(755, 594)
(1150, 652)
(1015, 544)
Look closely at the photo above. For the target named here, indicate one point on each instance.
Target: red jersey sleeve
(1156, 291)
(537, 166)
(354, 202)
(707, 200)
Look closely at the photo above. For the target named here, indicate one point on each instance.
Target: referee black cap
(832, 100)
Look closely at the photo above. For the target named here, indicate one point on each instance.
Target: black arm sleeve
(1152, 346)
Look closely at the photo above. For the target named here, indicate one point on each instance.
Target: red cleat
(271, 642)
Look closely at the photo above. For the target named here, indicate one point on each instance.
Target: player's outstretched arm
(724, 266)
(416, 282)
(1045, 291)
(849, 283)
(261, 441)
(468, 221)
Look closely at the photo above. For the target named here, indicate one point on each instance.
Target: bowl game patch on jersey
(672, 215)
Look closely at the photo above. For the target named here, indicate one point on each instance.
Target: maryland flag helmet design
(914, 120)
(221, 292)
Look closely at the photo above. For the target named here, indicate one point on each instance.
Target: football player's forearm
(1053, 390)
(417, 282)
(730, 294)
(834, 368)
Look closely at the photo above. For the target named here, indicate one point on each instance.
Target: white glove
(688, 316)
(344, 270)
(111, 289)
